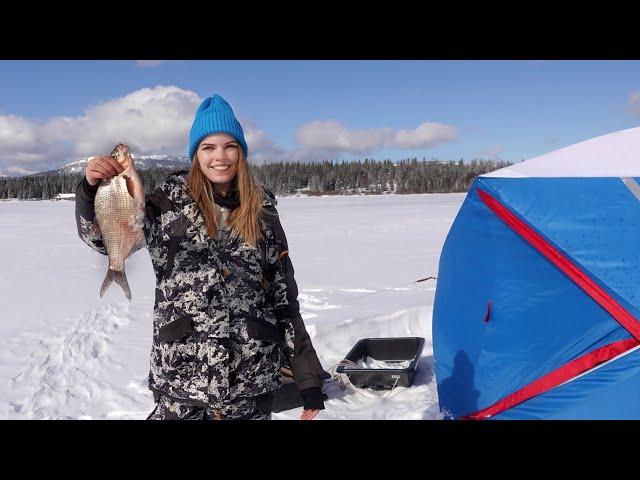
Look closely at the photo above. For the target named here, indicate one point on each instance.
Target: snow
(613, 155)
(67, 354)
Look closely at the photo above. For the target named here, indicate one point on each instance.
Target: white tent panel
(616, 154)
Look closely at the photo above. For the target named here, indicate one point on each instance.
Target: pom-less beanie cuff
(215, 115)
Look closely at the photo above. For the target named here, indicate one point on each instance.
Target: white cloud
(634, 103)
(17, 134)
(149, 63)
(150, 120)
(426, 135)
(325, 140)
(332, 136)
(21, 140)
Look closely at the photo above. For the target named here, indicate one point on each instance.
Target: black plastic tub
(383, 363)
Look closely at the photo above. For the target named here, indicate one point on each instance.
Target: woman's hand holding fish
(102, 168)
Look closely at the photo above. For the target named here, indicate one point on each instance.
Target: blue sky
(54, 111)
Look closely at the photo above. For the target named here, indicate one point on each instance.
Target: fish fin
(141, 243)
(130, 186)
(120, 278)
(94, 231)
(107, 281)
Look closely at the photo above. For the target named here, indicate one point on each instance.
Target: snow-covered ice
(67, 354)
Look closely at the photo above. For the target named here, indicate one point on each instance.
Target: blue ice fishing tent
(537, 307)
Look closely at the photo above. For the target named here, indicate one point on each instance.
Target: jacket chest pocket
(187, 249)
(247, 265)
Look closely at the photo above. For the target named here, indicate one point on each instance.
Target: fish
(119, 213)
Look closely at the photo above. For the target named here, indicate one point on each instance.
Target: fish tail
(120, 278)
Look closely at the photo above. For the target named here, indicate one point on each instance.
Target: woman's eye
(211, 148)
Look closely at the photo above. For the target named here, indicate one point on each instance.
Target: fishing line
(386, 290)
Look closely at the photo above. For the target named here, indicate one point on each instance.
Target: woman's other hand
(309, 414)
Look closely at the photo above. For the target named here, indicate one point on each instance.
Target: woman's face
(218, 156)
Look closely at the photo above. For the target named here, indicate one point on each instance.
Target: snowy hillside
(15, 172)
(141, 162)
(66, 353)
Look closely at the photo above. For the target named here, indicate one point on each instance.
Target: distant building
(65, 196)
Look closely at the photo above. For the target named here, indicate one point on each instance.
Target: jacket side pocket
(176, 329)
(262, 330)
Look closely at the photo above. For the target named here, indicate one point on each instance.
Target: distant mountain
(141, 162)
(15, 172)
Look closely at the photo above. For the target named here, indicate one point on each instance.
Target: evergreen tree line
(326, 178)
(49, 185)
(373, 177)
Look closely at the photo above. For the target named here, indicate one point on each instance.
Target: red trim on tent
(555, 378)
(605, 300)
(579, 365)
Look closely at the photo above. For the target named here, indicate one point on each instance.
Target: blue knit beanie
(214, 115)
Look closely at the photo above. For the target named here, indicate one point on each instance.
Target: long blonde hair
(244, 220)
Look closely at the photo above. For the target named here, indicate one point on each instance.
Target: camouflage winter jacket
(225, 314)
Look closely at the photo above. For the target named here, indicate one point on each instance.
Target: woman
(226, 315)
